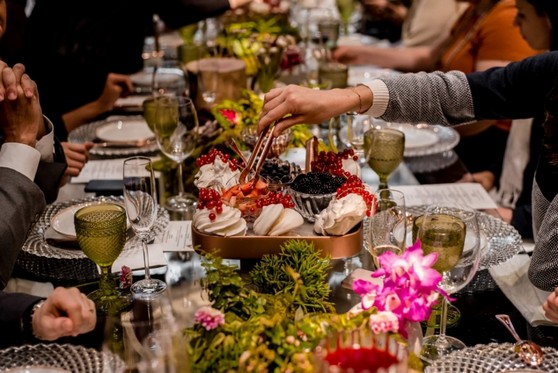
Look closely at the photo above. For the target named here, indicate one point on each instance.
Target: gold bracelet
(353, 89)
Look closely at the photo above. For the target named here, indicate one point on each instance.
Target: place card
(106, 169)
(132, 257)
(465, 194)
(177, 237)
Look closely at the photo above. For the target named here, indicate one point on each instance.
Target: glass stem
(145, 258)
(180, 180)
(443, 317)
(383, 182)
(105, 281)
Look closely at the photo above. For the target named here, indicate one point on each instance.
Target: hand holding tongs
(254, 155)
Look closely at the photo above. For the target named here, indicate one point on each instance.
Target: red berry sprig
(354, 185)
(210, 199)
(331, 162)
(209, 158)
(274, 198)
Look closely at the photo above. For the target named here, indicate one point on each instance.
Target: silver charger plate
(503, 240)
(71, 358)
(48, 262)
(448, 138)
(87, 132)
(490, 358)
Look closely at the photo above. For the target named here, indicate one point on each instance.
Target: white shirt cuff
(45, 145)
(21, 158)
(381, 98)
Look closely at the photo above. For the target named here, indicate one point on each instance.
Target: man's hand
(551, 306)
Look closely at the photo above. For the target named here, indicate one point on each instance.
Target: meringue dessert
(217, 175)
(227, 223)
(341, 215)
(276, 220)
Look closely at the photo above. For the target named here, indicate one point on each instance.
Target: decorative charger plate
(124, 130)
(503, 240)
(47, 261)
(490, 358)
(90, 131)
(425, 139)
(68, 357)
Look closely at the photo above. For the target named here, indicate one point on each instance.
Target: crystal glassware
(177, 134)
(383, 150)
(140, 199)
(101, 234)
(346, 9)
(453, 233)
(357, 125)
(388, 227)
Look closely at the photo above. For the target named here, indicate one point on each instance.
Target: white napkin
(132, 256)
(511, 277)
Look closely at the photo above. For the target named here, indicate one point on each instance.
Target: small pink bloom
(209, 317)
(383, 322)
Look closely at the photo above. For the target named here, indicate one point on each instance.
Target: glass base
(183, 203)
(109, 303)
(435, 347)
(148, 288)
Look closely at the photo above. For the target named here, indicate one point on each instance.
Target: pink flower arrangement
(209, 317)
(232, 116)
(408, 289)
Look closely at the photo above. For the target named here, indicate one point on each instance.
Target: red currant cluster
(273, 198)
(210, 199)
(209, 158)
(354, 185)
(331, 162)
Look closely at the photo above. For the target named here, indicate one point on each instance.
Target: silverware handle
(505, 319)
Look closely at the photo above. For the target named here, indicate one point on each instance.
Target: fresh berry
(209, 158)
(354, 185)
(331, 162)
(317, 183)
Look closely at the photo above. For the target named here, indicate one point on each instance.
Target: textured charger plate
(87, 132)
(71, 358)
(490, 358)
(49, 262)
(254, 247)
(448, 138)
(503, 240)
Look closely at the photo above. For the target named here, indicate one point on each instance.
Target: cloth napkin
(60, 240)
(511, 277)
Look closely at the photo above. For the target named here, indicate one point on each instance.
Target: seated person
(28, 319)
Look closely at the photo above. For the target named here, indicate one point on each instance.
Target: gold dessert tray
(254, 247)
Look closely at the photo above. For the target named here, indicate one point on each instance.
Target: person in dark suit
(25, 318)
(81, 53)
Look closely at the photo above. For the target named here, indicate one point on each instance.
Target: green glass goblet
(101, 234)
(383, 150)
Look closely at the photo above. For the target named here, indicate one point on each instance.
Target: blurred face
(3, 16)
(534, 28)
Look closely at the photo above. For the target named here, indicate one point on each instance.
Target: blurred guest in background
(383, 19)
(79, 53)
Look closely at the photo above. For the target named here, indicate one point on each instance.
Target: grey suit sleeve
(21, 201)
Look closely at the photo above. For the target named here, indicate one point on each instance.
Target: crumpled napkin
(60, 240)
(511, 277)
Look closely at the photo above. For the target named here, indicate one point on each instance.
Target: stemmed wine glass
(383, 149)
(357, 125)
(453, 233)
(176, 131)
(101, 234)
(141, 204)
(346, 9)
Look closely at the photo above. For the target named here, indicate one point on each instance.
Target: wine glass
(101, 234)
(383, 149)
(453, 233)
(388, 227)
(357, 125)
(141, 204)
(176, 131)
(346, 9)
(208, 79)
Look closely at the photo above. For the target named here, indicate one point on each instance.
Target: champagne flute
(176, 131)
(383, 149)
(101, 234)
(453, 233)
(141, 204)
(388, 227)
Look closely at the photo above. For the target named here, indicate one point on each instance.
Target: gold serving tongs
(262, 156)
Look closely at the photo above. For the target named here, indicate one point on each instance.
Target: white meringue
(276, 220)
(227, 223)
(217, 175)
(351, 166)
(341, 215)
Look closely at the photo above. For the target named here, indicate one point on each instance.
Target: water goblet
(387, 229)
(141, 205)
(383, 149)
(101, 234)
(177, 133)
(453, 233)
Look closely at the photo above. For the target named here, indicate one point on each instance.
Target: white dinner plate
(135, 129)
(418, 137)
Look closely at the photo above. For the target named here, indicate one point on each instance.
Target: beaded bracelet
(27, 319)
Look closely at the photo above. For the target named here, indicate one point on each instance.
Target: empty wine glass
(208, 79)
(453, 233)
(388, 227)
(177, 133)
(101, 234)
(357, 125)
(141, 204)
(383, 149)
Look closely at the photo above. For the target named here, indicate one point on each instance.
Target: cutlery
(125, 144)
(258, 151)
(231, 143)
(530, 352)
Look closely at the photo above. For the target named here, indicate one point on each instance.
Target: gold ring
(92, 310)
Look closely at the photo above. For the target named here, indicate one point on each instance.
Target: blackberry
(277, 171)
(317, 183)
